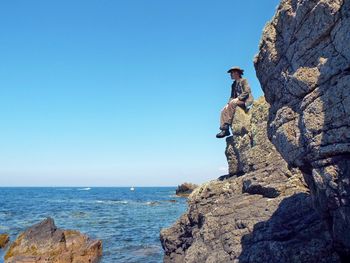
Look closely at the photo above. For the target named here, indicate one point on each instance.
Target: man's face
(235, 75)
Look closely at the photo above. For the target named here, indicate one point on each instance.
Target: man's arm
(245, 90)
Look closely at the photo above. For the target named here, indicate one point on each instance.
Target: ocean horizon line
(65, 186)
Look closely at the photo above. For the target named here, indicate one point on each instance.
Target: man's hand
(232, 101)
(235, 100)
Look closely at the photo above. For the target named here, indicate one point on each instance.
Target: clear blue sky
(120, 93)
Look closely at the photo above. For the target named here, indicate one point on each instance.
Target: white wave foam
(111, 202)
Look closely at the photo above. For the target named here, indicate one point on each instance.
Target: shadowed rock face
(304, 68)
(261, 212)
(44, 242)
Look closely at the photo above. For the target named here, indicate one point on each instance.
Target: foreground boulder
(261, 212)
(304, 69)
(4, 239)
(185, 189)
(44, 242)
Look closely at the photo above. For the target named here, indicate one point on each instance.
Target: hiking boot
(223, 134)
(225, 131)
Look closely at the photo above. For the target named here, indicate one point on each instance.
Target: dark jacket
(240, 89)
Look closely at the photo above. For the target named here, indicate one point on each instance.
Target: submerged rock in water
(304, 68)
(4, 239)
(262, 212)
(185, 189)
(44, 242)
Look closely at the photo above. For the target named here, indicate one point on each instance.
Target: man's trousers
(228, 111)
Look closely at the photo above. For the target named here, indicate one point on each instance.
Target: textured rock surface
(44, 242)
(264, 215)
(304, 69)
(246, 150)
(4, 239)
(185, 189)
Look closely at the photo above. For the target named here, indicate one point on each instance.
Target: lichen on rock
(247, 148)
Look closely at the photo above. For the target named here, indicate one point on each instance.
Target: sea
(127, 221)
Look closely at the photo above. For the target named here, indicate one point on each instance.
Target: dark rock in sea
(152, 203)
(185, 189)
(260, 212)
(304, 69)
(4, 239)
(44, 242)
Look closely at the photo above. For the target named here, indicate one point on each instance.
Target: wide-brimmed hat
(236, 69)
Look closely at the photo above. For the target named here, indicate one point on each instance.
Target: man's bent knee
(224, 108)
(232, 105)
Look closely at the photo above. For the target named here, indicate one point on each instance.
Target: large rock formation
(261, 212)
(304, 69)
(44, 242)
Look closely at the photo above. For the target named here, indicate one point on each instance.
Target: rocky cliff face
(260, 212)
(304, 69)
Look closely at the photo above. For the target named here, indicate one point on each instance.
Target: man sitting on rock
(241, 96)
